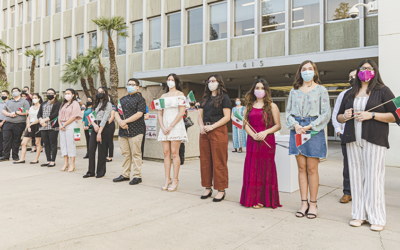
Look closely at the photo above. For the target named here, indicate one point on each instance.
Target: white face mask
(213, 86)
(171, 84)
(35, 101)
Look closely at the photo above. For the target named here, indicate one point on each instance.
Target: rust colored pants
(214, 158)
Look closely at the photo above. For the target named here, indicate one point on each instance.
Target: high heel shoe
(165, 188)
(203, 197)
(313, 215)
(173, 190)
(223, 197)
(69, 169)
(64, 168)
(303, 214)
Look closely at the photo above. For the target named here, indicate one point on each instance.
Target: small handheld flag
(92, 117)
(238, 120)
(190, 97)
(54, 121)
(77, 134)
(22, 110)
(158, 104)
(90, 132)
(396, 102)
(303, 138)
(120, 108)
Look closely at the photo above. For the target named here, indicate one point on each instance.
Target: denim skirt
(315, 147)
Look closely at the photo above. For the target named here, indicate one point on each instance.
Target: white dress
(171, 110)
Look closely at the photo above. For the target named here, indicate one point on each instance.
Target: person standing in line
(260, 180)
(238, 135)
(146, 117)
(86, 126)
(367, 141)
(100, 134)
(70, 114)
(49, 127)
(28, 95)
(32, 130)
(182, 146)
(214, 113)
(308, 109)
(4, 97)
(339, 129)
(15, 111)
(110, 133)
(172, 129)
(131, 130)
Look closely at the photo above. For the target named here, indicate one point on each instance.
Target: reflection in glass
(12, 16)
(47, 54)
(105, 42)
(38, 9)
(20, 13)
(339, 9)
(174, 30)
(273, 15)
(195, 26)
(93, 39)
(68, 49)
(155, 33)
(305, 12)
(80, 45)
(244, 17)
(57, 52)
(121, 43)
(218, 21)
(58, 6)
(37, 47)
(137, 39)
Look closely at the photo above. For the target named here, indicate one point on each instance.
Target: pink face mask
(67, 97)
(366, 75)
(259, 93)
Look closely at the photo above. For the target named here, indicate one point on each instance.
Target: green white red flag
(120, 108)
(77, 134)
(157, 104)
(237, 120)
(396, 102)
(303, 138)
(92, 117)
(22, 110)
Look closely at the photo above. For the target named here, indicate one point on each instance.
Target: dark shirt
(212, 114)
(131, 104)
(55, 108)
(373, 131)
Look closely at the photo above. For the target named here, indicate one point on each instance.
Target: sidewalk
(43, 208)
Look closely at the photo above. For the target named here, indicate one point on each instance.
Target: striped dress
(239, 136)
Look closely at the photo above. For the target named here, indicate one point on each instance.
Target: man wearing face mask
(15, 111)
(4, 97)
(339, 129)
(132, 128)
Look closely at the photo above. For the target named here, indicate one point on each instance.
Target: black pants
(1, 139)
(87, 137)
(144, 137)
(50, 138)
(346, 176)
(12, 133)
(110, 140)
(101, 155)
(182, 151)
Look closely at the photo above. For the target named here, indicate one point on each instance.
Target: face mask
(4, 98)
(259, 93)
(131, 89)
(15, 94)
(307, 75)
(35, 101)
(213, 86)
(237, 103)
(89, 103)
(366, 75)
(352, 81)
(50, 97)
(100, 95)
(67, 97)
(171, 84)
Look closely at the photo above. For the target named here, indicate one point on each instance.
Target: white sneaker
(356, 223)
(376, 227)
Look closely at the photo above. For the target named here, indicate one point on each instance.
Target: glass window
(93, 39)
(155, 33)
(20, 14)
(137, 39)
(305, 12)
(28, 59)
(121, 45)
(37, 47)
(48, 7)
(38, 9)
(80, 45)
(11, 61)
(12, 16)
(339, 9)
(244, 17)
(365, 9)
(47, 54)
(57, 52)
(106, 51)
(29, 11)
(68, 49)
(58, 6)
(195, 25)
(69, 4)
(19, 59)
(5, 19)
(174, 30)
(218, 21)
(273, 15)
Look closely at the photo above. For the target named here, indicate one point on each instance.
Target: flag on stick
(396, 102)
(303, 138)
(120, 108)
(77, 134)
(157, 104)
(90, 132)
(54, 121)
(238, 120)
(92, 117)
(190, 97)
(22, 110)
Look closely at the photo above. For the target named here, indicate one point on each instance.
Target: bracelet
(344, 117)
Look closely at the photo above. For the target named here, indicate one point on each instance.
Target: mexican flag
(90, 132)
(158, 104)
(237, 120)
(396, 102)
(303, 138)
(120, 108)
(54, 121)
(22, 110)
(92, 117)
(77, 134)
(190, 97)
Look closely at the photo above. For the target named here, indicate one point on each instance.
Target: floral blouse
(314, 103)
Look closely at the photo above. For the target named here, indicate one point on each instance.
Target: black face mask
(50, 97)
(352, 81)
(4, 98)
(89, 103)
(100, 95)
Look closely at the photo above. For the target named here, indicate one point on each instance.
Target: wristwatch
(212, 126)
(373, 115)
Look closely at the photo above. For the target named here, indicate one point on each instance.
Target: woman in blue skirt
(239, 136)
(307, 114)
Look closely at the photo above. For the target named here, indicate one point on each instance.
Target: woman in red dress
(260, 182)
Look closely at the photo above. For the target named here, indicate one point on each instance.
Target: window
(5, 19)
(11, 61)
(137, 39)
(273, 15)
(58, 6)
(80, 45)
(47, 54)
(19, 51)
(174, 30)
(20, 14)
(339, 9)
(81, 2)
(37, 47)
(281, 105)
(106, 51)
(48, 7)
(68, 49)
(12, 16)
(218, 21)
(121, 45)
(57, 52)
(305, 12)
(29, 11)
(38, 9)
(365, 9)
(69, 4)
(244, 17)
(155, 33)
(28, 59)
(195, 26)
(92, 40)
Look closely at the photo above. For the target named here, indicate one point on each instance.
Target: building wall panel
(120, 8)
(242, 48)
(153, 60)
(342, 35)
(56, 26)
(304, 40)
(105, 8)
(18, 79)
(11, 36)
(55, 77)
(36, 32)
(153, 8)
(91, 14)
(37, 81)
(135, 63)
(216, 52)
(4, 37)
(79, 19)
(67, 21)
(172, 58)
(193, 55)
(172, 5)
(271, 44)
(135, 10)
(46, 29)
(45, 79)
(193, 3)
(18, 40)
(28, 32)
(121, 64)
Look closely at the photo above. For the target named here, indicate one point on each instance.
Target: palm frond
(34, 53)
(111, 24)
(4, 47)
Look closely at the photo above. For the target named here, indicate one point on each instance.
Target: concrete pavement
(43, 208)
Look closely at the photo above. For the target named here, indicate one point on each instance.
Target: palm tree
(111, 25)
(95, 53)
(90, 69)
(34, 53)
(74, 72)
(4, 48)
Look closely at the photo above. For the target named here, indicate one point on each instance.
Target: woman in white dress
(172, 132)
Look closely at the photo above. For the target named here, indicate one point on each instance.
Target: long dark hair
(251, 98)
(375, 83)
(177, 82)
(104, 102)
(39, 97)
(72, 99)
(86, 101)
(298, 80)
(221, 90)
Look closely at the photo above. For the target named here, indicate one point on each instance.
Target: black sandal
(302, 215)
(234, 151)
(223, 197)
(314, 215)
(240, 151)
(203, 197)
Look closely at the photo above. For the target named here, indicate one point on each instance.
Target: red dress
(260, 181)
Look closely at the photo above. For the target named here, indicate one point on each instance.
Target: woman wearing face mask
(260, 181)
(111, 130)
(70, 114)
(366, 138)
(48, 119)
(238, 135)
(86, 126)
(214, 113)
(172, 131)
(308, 110)
(32, 130)
(98, 138)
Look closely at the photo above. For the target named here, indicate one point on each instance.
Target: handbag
(188, 122)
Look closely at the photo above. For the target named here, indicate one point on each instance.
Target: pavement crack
(380, 238)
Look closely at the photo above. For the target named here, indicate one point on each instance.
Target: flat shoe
(376, 228)
(357, 223)
(34, 162)
(44, 165)
(18, 162)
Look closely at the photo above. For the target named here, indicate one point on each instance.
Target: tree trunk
(85, 89)
(93, 91)
(113, 71)
(102, 71)
(3, 75)
(33, 65)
